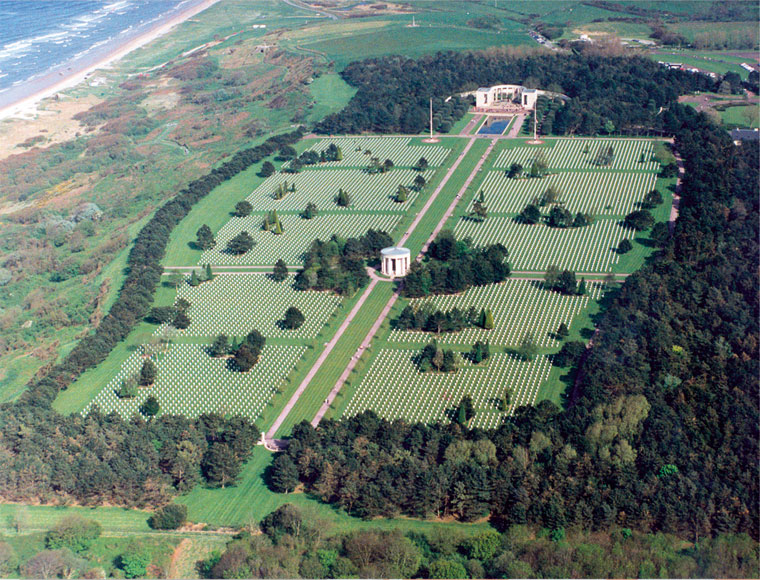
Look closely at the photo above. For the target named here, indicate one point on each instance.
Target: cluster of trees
(558, 217)
(342, 199)
(605, 157)
(661, 429)
(564, 282)
(626, 92)
(402, 194)
(376, 167)
(338, 264)
(244, 352)
(331, 153)
(425, 317)
(640, 219)
(198, 279)
(433, 358)
(284, 189)
(298, 543)
(310, 211)
(454, 266)
(272, 223)
(175, 315)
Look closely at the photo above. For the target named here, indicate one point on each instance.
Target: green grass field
(743, 116)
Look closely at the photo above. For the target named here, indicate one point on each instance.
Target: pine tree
(562, 331)
(209, 273)
(488, 320)
(338, 154)
(265, 226)
(461, 415)
(147, 373)
(194, 280)
(277, 227)
(401, 194)
(151, 407)
(343, 199)
(220, 346)
(205, 238)
(582, 287)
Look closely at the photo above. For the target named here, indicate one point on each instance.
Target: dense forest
(661, 430)
(393, 92)
(299, 543)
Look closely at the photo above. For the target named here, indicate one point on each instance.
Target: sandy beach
(30, 94)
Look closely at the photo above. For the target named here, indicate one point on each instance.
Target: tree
(205, 238)
(284, 474)
(343, 200)
(562, 331)
(277, 228)
(581, 287)
(539, 166)
(419, 182)
(506, 399)
(8, 561)
(479, 210)
(220, 347)
(243, 209)
(660, 234)
(293, 318)
(280, 271)
(422, 164)
(245, 358)
(446, 569)
(559, 217)
(176, 279)
(287, 152)
(528, 348)
(551, 276)
(220, 466)
(169, 517)
(609, 127)
(134, 561)
(147, 373)
(566, 282)
(181, 320)
(515, 171)
(569, 354)
(267, 169)
(128, 388)
(485, 320)
(652, 199)
(624, 246)
(74, 533)
(530, 215)
(310, 211)
(151, 407)
(194, 279)
(209, 273)
(240, 244)
(402, 194)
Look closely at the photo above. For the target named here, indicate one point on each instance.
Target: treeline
(661, 431)
(338, 264)
(454, 266)
(52, 458)
(626, 92)
(297, 543)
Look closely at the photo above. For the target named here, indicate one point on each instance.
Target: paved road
(313, 370)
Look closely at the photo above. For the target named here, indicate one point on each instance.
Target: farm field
(190, 382)
(232, 304)
(519, 307)
(395, 389)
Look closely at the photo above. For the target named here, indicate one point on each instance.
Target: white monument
(395, 261)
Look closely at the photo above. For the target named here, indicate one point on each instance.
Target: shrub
(169, 517)
(73, 532)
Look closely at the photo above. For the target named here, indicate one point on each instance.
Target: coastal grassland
(38, 518)
(330, 93)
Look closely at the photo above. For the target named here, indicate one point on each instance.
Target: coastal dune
(31, 93)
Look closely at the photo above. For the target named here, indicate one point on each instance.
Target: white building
(395, 261)
(506, 95)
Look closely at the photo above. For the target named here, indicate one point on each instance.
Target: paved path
(438, 189)
(458, 197)
(514, 130)
(677, 194)
(470, 126)
(313, 370)
(386, 310)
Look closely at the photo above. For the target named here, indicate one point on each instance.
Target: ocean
(40, 36)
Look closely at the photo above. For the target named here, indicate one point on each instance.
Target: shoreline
(56, 81)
